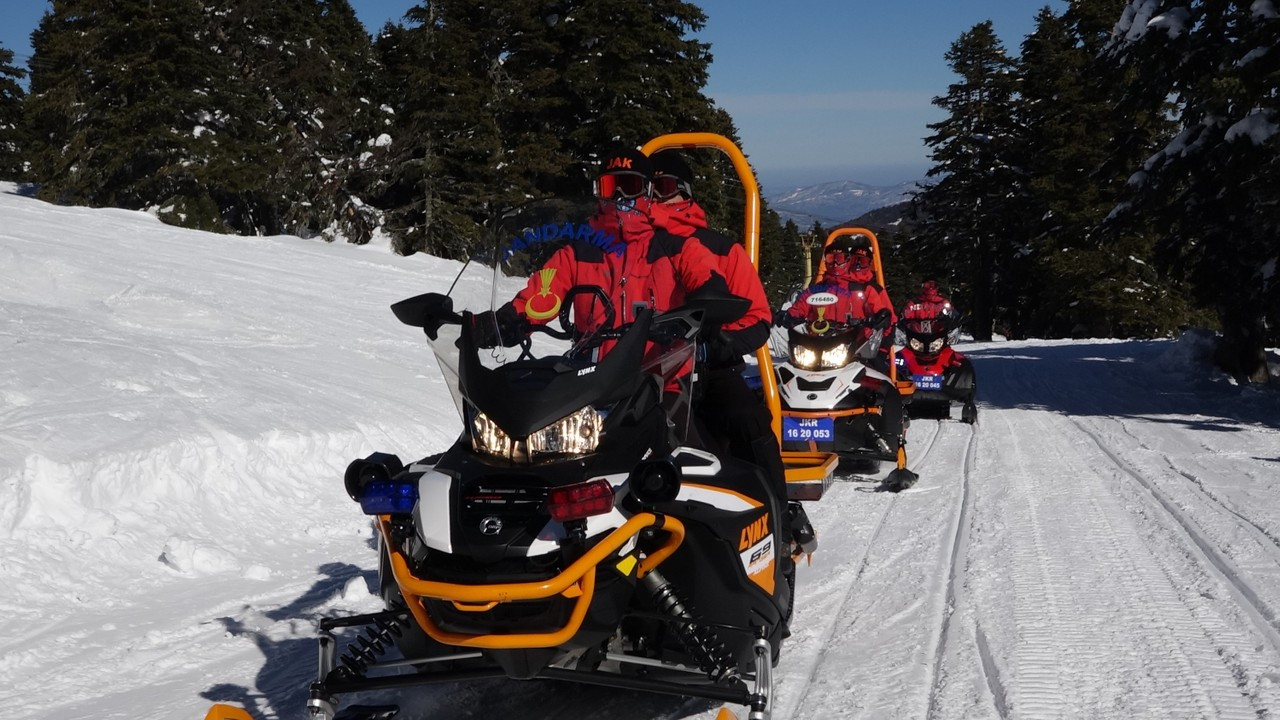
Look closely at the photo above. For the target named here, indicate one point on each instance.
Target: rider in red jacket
(729, 410)
(645, 266)
(849, 275)
(676, 211)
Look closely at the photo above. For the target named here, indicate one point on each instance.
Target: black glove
(882, 319)
(503, 327)
(716, 351)
(782, 318)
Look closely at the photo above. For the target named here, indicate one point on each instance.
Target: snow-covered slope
(177, 408)
(833, 203)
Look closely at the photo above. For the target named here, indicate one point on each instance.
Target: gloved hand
(717, 351)
(782, 318)
(504, 327)
(881, 320)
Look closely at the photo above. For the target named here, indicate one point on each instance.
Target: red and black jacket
(746, 334)
(650, 267)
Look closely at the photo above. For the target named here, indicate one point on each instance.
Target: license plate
(805, 429)
(928, 382)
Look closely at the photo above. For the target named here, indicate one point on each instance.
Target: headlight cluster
(576, 434)
(809, 359)
(935, 345)
(804, 357)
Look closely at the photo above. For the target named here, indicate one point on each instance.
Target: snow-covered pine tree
(11, 99)
(121, 112)
(1213, 185)
(1080, 142)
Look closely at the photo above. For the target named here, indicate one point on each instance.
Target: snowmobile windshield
(540, 343)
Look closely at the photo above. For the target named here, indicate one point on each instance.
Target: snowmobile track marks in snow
(1248, 597)
(955, 587)
(1077, 547)
(796, 696)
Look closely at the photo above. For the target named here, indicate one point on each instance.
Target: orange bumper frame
(576, 581)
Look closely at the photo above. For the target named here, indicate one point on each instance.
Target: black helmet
(671, 175)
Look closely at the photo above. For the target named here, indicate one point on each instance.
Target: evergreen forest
(1117, 176)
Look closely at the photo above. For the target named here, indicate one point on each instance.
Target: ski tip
(221, 711)
(726, 714)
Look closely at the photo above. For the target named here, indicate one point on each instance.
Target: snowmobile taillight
(575, 502)
(389, 497)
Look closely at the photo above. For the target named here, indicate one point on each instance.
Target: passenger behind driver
(650, 267)
(730, 411)
(849, 275)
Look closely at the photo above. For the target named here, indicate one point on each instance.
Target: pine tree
(1080, 142)
(447, 142)
(229, 115)
(11, 99)
(968, 226)
(1213, 185)
(119, 112)
(629, 71)
(506, 101)
(307, 66)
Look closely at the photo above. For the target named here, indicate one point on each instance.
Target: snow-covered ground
(177, 408)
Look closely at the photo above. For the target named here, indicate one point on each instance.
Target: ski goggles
(624, 185)
(840, 257)
(666, 187)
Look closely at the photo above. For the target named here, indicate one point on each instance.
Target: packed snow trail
(177, 409)
(1089, 595)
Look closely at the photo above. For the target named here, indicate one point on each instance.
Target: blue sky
(820, 90)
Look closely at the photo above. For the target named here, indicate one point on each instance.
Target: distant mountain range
(833, 203)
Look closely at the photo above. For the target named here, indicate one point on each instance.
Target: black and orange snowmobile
(573, 531)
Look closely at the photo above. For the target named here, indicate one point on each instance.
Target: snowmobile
(940, 374)
(838, 394)
(571, 532)
(574, 531)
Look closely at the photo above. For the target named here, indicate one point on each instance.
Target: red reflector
(575, 502)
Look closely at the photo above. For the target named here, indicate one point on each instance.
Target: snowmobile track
(1261, 615)
(1095, 544)
(955, 586)
(829, 630)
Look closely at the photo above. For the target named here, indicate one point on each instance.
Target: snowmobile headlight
(576, 434)
(936, 345)
(835, 357)
(804, 357)
(916, 345)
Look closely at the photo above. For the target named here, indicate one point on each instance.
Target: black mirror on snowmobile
(428, 311)
(718, 307)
